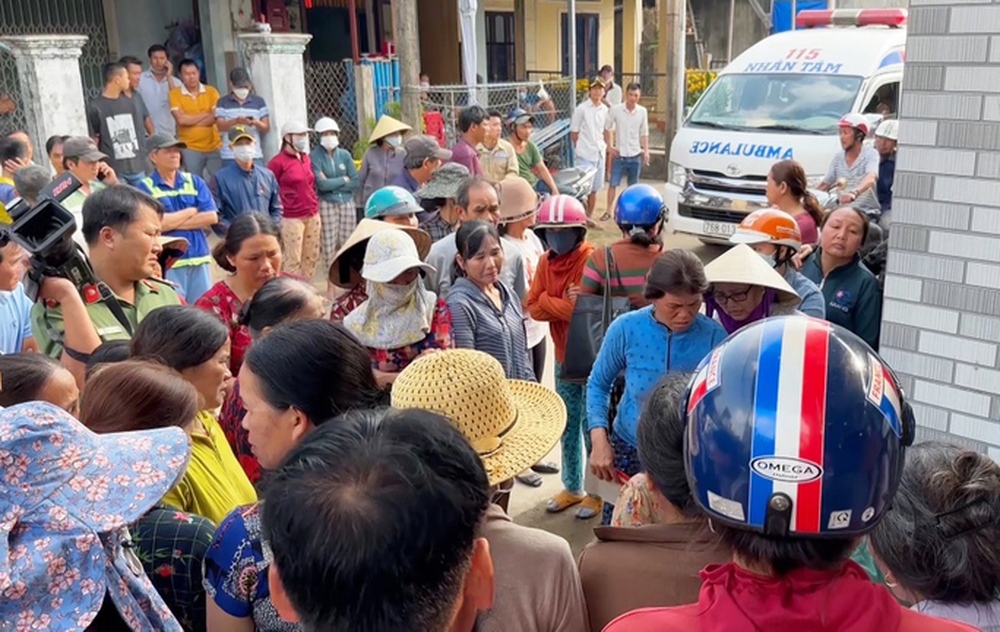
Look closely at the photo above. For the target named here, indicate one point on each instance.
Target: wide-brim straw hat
(359, 239)
(511, 424)
(741, 264)
(387, 126)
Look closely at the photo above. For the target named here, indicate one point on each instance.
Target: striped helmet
(561, 211)
(795, 428)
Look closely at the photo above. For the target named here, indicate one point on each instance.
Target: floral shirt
(236, 571)
(223, 302)
(348, 302)
(231, 420)
(439, 337)
(171, 545)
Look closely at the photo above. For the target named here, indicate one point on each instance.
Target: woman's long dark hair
(277, 300)
(469, 241)
(316, 367)
(791, 174)
(181, 337)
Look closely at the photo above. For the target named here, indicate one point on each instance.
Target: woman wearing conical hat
(384, 159)
(745, 288)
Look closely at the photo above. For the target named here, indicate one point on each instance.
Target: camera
(46, 230)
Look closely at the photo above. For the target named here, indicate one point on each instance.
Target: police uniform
(150, 294)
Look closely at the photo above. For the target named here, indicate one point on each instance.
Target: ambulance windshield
(806, 103)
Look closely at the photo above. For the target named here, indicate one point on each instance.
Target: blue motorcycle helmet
(639, 206)
(795, 429)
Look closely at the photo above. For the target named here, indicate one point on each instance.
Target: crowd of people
(259, 454)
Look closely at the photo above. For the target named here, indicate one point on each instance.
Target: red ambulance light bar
(893, 18)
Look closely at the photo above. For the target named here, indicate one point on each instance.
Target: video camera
(46, 232)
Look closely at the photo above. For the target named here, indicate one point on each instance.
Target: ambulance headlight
(678, 175)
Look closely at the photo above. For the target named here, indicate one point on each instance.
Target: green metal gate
(57, 17)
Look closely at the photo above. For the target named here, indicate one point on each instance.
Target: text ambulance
(780, 100)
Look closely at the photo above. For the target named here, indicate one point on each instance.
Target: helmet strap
(778, 517)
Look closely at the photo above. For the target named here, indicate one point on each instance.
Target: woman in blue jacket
(853, 298)
(669, 335)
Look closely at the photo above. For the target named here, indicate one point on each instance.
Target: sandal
(563, 501)
(590, 507)
(546, 467)
(606, 217)
(529, 478)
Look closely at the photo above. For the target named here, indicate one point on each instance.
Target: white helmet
(326, 124)
(888, 128)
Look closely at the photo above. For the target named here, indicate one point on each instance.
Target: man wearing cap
(120, 225)
(530, 165)
(496, 155)
(437, 198)
(587, 133)
(189, 208)
(244, 108)
(116, 126)
(471, 122)
(886, 137)
(82, 158)
(245, 186)
(301, 226)
(193, 107)
(423, 157)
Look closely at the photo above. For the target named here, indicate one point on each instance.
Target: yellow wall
(543, 32)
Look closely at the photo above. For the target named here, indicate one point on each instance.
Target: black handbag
(592, 316)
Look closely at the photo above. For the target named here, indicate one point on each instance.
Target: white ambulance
(781, 99)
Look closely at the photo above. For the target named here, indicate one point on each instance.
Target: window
(500, 51)
(885, 101)
(587, 29)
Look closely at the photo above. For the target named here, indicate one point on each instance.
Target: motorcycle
(575, 182)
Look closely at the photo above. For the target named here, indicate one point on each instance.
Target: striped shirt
(631, 264)
(228, 108)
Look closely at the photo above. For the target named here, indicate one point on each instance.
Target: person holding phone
(82, 158)
(242, 107)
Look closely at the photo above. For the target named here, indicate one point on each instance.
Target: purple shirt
(465, 154)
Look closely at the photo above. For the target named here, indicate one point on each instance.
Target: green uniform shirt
(150, 294)
(528, 161)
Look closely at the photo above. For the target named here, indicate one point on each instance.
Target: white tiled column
(277, 71)
(48, 67)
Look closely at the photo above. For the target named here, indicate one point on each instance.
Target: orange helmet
(768, 226)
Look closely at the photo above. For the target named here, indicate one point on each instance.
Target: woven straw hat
(387, 126)
(359, 239)
(512, 424)
(740, 264)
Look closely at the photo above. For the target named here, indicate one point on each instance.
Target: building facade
(941, 320)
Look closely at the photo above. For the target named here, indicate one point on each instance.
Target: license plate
(719, 228)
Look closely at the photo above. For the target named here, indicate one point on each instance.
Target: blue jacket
(813, 304)
(330, 172)
(853, 298)
(188, 190)
(645, 350)
(241, 192)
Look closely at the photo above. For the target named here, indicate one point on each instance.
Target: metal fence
(550, 100)
(330, 92)
(58, 17)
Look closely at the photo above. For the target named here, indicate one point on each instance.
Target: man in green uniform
(121, 226)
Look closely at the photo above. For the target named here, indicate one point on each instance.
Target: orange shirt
(198, 137)
(547, 301)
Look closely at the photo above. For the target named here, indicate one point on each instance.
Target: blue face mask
(561, 241)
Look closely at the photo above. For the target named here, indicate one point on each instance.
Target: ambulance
(781, 100)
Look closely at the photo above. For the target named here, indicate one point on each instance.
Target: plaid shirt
(436, 227)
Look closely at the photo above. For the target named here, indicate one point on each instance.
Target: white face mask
(244, 153)
(396, 140)
(241, 93)
(301, 144)
(329, 142)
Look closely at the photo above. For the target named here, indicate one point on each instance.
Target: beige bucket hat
(518, 199)
(387, 126)
(359, 241)
(740, 264)
(512, 424)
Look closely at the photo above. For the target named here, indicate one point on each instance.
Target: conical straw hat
(366, 228)
(387, 126)
(744, 266)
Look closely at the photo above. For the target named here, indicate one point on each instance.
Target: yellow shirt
(214, 483)
(198, 137)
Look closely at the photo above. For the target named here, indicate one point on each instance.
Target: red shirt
(348, 302)
(465, 154)
(223, 302)
(296, 185)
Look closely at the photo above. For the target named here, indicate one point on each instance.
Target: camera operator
(121, 226)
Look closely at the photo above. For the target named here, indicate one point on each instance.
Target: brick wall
(941, 322)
